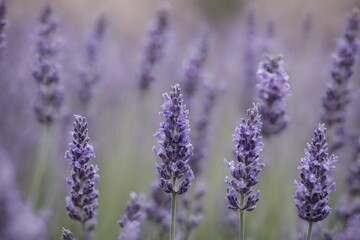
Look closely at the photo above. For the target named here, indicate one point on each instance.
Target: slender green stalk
(309, 231)
(242, 220)
(40, 167)
(173, 208)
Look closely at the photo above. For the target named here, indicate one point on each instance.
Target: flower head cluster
(337, 94)
(131, 221)
(50, 95)
(91, 72)
(311, 196)
(248, 142)
(154, 47)
(273, 88)
(175, 147)
(82, 203)
(193, 68)
(3, 24)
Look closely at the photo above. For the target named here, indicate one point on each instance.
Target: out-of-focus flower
(352, 231)
(154, 47)
(273, 88)
(3, 24)
(50, 96)
(337, 95)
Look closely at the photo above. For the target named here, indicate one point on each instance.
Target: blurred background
(122, 119)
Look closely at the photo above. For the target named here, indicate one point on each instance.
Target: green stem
(242, 220)
(173, 207)
(309, 231)
(39, 170)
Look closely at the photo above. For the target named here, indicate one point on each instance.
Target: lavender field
(180, 120)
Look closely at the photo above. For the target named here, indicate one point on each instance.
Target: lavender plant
(82, 203)
(175, 149)
(50, 94)
(3, 24)
(132, 219)
(154, 48)
(337, 94)
(91, 73)
(273, 88)
(311, 195)
(193, 68)
(248, 143)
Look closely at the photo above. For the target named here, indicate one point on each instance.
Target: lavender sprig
(3, 24)
(82, 203)
(91, 74)
(273, 88)
(248, 142)
(337, 95)
(50, 96)
(132, 219)
(175, 149)
(311, 195)
(193, 68)
(154, 47)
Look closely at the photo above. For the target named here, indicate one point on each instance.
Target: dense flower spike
(131, 221)
(3, 24)
(337, 95)
(82, 203)
(67, 234)
(193, 68)
(248, 142)
(50, 95)
(175, 147)
(154, 47)
(273, 88)
(311, 196)
(90, 75)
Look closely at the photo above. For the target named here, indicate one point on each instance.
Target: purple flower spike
(248, 142)
(352, 230)
(273, 88)
(154, 47)
(337, 95)
(131, 221)
(50, 95)
(82, 203)
(175, 147)
(311, 195)
(90, 75)
(3, 24)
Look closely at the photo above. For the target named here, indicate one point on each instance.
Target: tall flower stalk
(175, 149)
(248, 143)
(50, 94)
(311, 195)
(337, 95)
(82, 203)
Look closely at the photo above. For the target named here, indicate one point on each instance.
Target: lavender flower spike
(248, 142)
(154, 47)
(175, 149)
(273, 88)
(82, 203)
(90, 75)
(50, 95)
(131, 221)
(3, 24)
(311, 195)
(337, 95)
